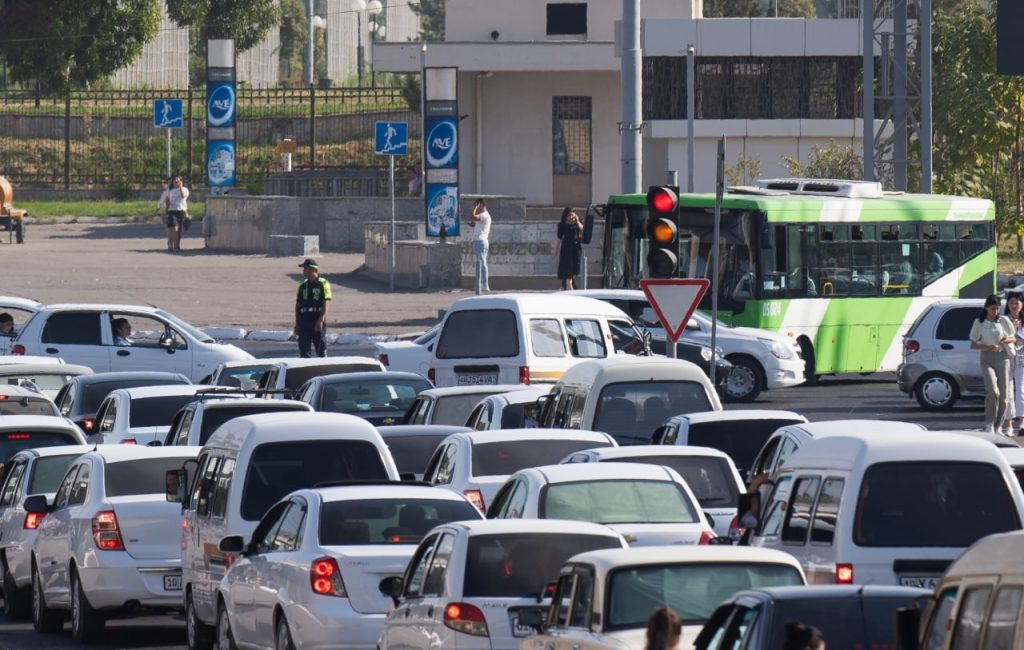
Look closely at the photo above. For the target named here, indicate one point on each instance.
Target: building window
(567, 19)
(570, 135)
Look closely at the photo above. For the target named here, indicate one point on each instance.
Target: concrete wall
(419, 264)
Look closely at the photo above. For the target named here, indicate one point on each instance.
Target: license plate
(518, 629)
(473, 380)
(925, 582)
(172, 582)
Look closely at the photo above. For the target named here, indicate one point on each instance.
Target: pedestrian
(993, 335)
(311, 304)
(1015, 406)
(175, 200)
(480, 222)
(803, 637)
(414, 179)
(664, 630)
(569, 247)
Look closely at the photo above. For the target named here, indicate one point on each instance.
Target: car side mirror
(232, 544)
(391, 587)
(175, 484)
(37, 504)
(532, 617)
(908, 621)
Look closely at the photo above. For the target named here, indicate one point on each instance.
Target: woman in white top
(1015, 409)
(175, 199)
(993, 335)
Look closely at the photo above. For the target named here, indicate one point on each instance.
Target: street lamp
(359, 6)
(374, 7)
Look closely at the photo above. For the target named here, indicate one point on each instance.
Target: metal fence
(106, 138)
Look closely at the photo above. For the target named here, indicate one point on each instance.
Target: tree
(246, 21)
(794, 9)
(67, 44)
(834, 161)
(732, 9)
(294, 32)
(431, 15)
(747, 169)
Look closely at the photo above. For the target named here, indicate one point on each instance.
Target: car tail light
(465, 618)
(32, 520)
(844, 574)
(383, 358)
(325, 578)
(705, 537)
(18, 349)
(910, 346)
(735, 532)
(524, 375)
(129, 441)
(431, 376)
(476, 498)
(88, 424)
(106, 532)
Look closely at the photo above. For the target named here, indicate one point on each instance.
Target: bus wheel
(807, 352)
(746, 381)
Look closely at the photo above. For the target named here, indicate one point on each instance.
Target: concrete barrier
(293, 245)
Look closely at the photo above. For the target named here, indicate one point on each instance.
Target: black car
(377, 397)
(79, 399)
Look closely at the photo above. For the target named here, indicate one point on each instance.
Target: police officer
(311, 304)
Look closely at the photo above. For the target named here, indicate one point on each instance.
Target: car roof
(489, 389)
(740, 415)
(121, 453)
(165, 390)
(843, 451)
(128, 375)
(260, 362)
(231, 402)
(1013, 455)
(352, 377)
(614, 558)
(538, 303)
(395, 430)
(395, 490)
(297, 362)
(17, 302)
(22, 359)
(633, 451)
(506, 435)
(506, 526)
(816, 592)
(59, 450)
(523, 396)
(994, 555)
(574, 472)
(73, 369)
(95, 306)
(610, 294)
(624, 366)
(33, 422)
(852, 427)
(253, 430)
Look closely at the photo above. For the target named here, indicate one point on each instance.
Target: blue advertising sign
(442, 143)
(220, 104)
(220, 164)
(168, 114)
(391, 138)
(442, 209)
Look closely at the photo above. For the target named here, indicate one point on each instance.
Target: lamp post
(359, 6)
(374, 7)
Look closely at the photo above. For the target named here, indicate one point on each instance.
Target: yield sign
(674, 301)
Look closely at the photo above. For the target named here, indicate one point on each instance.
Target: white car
(287, 375)
(761, 359)
(648, 505)
(709, 473)
(141, 415)
(110, 540)
(20, 309)
(515, 410)
(309, 577)
(477, 463)
(47, 378)
(410, 356)
(452, 405)
(197, 420)
(469, 582)
(604, 598)
(84, 334)
(18, 400)
(31, 431)
(30, 471)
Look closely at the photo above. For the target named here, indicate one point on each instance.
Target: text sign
(674, 301)
(391, 138)
(168, 114)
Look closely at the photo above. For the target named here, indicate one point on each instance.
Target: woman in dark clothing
(569, 247)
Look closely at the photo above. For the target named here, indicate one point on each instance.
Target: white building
(539, 86)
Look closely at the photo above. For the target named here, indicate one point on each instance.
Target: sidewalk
(126, 263)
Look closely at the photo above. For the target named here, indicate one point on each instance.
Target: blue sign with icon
(391, 138)
(442, 143)
(220, 104)
(168, 114)
(220, 163)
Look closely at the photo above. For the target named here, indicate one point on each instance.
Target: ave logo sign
(442, 144)
(674, 300)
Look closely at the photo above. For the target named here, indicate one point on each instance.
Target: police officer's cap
(309, 263)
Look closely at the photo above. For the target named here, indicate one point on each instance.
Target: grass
(110, 208)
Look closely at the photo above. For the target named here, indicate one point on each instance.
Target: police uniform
(309, 304)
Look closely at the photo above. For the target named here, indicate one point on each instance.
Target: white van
(525, 338)
(246, 466)
(627, 397)
(888, 507)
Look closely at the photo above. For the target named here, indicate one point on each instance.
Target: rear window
(455, 409)
(213, 418)
(247, 377)
(296, 377)
(140, 475)
(618, 502)
(11, 442)
(848, 622)
(479, 333)
(388, 521)
(945, 504)
(411, 453)
(740, 440)
(278, 468)
(371, 396)
(156, 411)
(631, 411)
(510, 456)
(27, 406)
(48, 384)
(47, 473)
(517, 565)
(710, 478)
(94, 393)
(692, 590)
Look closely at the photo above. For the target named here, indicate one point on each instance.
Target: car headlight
(705, 353)
(778, 348)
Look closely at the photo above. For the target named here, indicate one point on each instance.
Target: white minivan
(888, 507)
(248, 465)
(524, 338)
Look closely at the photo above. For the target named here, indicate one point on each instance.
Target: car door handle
(430, 612)
(946, 346)
(52, 350)
(123, 353)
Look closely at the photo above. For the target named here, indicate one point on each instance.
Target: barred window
(570, 135)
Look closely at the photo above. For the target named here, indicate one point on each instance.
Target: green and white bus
(841, 266)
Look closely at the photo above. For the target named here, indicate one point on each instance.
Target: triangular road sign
(674, 301)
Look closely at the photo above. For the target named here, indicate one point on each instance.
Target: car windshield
(156, 411)
(710, 478)
(847, 622)
(631, 411)
(455, 409)
(741, 440)
(47, 383)
(371, 396)
(618, 502)
(521, 565)
(693, 591)
(388, 521)
(411, 453)
(95, 393)
(195, 332)
(47, 473)
(26, 405)
(140, 475)
(214, 417)
(509, 456)
(11, 442)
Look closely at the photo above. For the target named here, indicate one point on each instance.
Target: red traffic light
(662, 199)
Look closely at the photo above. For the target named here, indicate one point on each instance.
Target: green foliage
(834, 161)
(747, 169)
(66, 44)
(294, 32)
(794, 9)
(431, 15)
(246, 21)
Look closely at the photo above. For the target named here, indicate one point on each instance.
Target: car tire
(746, 381)
(86, 623)
(225, 639)
(936, 391)
(17, 602)
(45, 620)
(199, 635)
(282, 635)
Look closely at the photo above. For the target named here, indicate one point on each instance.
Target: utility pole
(310, 45)
(632, 109)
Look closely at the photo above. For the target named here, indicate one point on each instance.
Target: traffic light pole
(715, 242)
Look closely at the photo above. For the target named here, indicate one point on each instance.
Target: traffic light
(663, 231)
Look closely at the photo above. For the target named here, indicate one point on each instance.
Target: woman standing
(993, 335)
(1015, 407)
(175, 199)
(569, 247)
